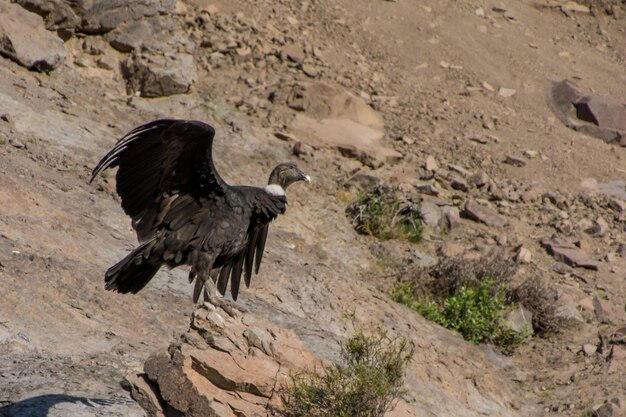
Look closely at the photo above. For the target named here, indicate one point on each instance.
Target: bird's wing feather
(158, 161)
(264, 208)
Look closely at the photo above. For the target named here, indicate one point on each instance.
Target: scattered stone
(460, 170)
(619, 337)
(523, 255)
(602, 309)
(428, 187)
(617, 205)
(612, 408)
(599, 229)
(488, 86)
(17, 143)
(431, 164)
(479, 179)
(24, 39)
(155, 75)
(451, 249)
(530, 154)
(294, 53)
(506, 92)
(520, 320)
(107, 62)
(483, 214)
(309, 70)
(515, 161)
(285, 136)
(564, 251)
(583, 244)
(478, 139)
(451, 218)
(430, 214)
(572, 6)
(589, 349)
(621, 250)
(459, 184)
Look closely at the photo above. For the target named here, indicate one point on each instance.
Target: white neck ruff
(275, 189)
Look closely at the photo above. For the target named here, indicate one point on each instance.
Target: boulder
(56, 13)
(332, 117)
(570, 254)
(95, 16)
(227, 364)
(101, 16)
(157, 75)
(24, 39)
(483, 214)
(599, 116)
(154, 33)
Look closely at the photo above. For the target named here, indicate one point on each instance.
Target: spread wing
(265, 208)
(160, 162)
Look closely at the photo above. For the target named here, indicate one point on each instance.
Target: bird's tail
(133, 272)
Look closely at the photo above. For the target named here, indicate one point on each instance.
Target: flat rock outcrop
(227, 364)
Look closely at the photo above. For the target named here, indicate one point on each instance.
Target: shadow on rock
(40, 406)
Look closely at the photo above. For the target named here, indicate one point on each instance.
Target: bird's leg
(201, 265)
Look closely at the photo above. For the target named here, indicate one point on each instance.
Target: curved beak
(303, 177)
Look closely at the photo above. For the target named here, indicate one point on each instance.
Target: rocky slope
(449, 101)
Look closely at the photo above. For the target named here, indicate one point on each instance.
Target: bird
(184, 213)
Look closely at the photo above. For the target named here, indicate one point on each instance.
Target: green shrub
(380, 212)
(365, 383)
(477, 312)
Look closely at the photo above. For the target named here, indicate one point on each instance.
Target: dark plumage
(184, 213)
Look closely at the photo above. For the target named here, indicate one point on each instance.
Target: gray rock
(520, 320)
(479, 179)
(603, 112)
(24, 39)
(618, 205)
(431, 164)
(589, 349)
(568, 253)
(483, 214)
(431, 214)
(598, 116)
(56, 13)
(515, 161)
(602, 309)
(154, 32)
(523, 255)
(101, 16)
(156, 75)
(599, 228)
(459, 184)
(451, 219)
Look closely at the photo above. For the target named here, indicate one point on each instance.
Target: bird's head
(286, 174)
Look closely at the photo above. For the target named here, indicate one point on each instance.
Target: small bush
(380, 212)
(454, 273)
(540, 299)
(365, 383)
(477, 312)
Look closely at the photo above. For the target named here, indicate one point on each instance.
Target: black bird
(184, 213)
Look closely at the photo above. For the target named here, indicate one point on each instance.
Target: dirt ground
(441, 75)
